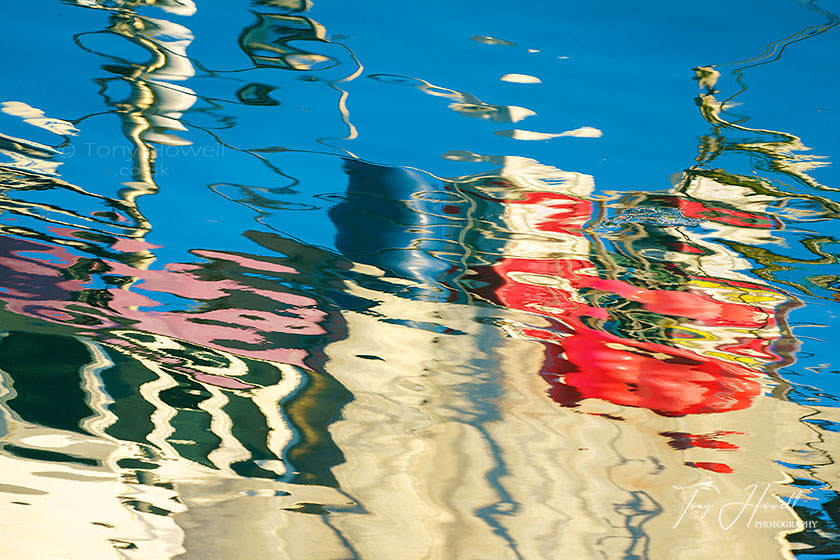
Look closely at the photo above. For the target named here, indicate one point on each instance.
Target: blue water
(389, 280)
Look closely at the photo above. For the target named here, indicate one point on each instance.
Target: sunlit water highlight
(371, 280)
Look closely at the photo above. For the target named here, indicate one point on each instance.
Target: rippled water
(441, 280)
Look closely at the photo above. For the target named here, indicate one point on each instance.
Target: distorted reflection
(463, 103)
(501, 364)
(267, 42)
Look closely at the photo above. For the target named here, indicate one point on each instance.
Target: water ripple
(239, 323)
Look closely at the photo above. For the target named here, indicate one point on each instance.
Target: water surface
(376, 280)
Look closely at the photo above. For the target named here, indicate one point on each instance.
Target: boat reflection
(502, 365)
